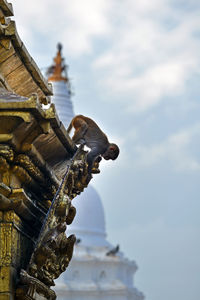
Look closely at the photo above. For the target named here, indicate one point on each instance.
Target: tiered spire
(56, 70)
(57, 75)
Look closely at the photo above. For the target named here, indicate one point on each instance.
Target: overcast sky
(135, 69)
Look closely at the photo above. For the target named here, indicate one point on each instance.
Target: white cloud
(176, 151)
(75, 23)
(164, 79)
(151, 55)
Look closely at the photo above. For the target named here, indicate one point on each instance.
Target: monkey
(87, 132)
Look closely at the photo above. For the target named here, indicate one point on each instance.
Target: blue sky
(135, 69)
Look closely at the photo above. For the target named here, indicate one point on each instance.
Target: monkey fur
(87, 132)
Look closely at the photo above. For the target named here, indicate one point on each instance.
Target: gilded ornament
(5, 244)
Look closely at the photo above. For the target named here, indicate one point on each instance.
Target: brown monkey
(88, 132)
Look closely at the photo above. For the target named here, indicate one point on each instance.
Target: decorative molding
(5, 244)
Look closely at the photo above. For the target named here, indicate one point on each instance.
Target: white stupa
(98, 270)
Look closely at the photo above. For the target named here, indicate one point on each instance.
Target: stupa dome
(89, 223)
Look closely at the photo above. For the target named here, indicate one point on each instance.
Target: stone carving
(31, 288)
(53, 250)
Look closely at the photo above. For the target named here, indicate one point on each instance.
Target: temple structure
(36, 184)
(98, 270)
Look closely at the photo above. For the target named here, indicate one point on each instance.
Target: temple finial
(59, 47)
(55, 71)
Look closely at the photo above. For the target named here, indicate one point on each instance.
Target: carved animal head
(112, 152)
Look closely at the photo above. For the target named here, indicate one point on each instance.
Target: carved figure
(88, 132)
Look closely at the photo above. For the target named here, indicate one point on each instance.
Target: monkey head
(112, 152)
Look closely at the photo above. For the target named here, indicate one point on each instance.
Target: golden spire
(57, 69)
